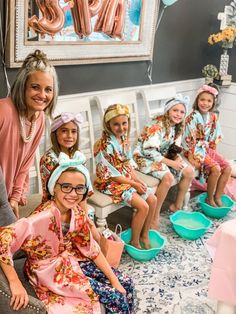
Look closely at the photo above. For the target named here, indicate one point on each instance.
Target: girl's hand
(195, 163)
(15, 208)
(19, 296)
(140, 187)
(178, 164)
(117, 285)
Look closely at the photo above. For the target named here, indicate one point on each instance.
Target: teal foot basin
(157, 242)
(215, 212)
(190, 225)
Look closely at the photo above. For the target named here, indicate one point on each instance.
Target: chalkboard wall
(180, 52)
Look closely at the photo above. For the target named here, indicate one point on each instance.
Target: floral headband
(64, 163)
(66, 117)
(179, 99)
(119, 110)
(209, 89)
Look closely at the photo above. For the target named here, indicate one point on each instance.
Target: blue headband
(64, 163)
(179, 99)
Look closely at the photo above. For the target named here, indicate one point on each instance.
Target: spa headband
(179, 99)
(66, 117)
(64, 163)
(209, 89)
(119, 110)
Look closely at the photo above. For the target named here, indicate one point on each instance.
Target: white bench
(76, 103)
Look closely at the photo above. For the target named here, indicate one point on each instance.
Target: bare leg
(152, 202)
(161, 192)
(138, 219)
(223, 179)
(211, 185)
(187, 177)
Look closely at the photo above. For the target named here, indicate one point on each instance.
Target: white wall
(228, 121)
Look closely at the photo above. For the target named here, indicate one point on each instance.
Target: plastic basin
(215, 212)
(190, 225)
(157, 243)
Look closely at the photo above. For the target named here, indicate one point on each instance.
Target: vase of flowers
(224, 63)
(226, 38)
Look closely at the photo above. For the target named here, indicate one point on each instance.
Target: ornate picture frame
(64, 39)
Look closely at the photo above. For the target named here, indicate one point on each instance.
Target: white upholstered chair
(154, 98)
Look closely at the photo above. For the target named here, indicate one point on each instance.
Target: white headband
(179, 99)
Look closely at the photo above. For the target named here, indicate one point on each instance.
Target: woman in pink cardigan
(34, 91)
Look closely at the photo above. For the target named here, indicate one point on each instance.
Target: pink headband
(66, 117)
(209, 89)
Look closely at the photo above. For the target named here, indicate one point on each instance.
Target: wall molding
(181, 86)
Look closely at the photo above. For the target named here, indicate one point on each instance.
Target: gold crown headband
(119, 110)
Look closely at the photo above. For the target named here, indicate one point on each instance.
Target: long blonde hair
(179, 128)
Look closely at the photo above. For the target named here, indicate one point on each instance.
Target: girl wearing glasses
(65, 130)
(64, 138)
(115, 175)
(64, 263)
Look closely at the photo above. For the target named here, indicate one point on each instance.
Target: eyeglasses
(68, 188)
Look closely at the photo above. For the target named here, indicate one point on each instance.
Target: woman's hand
(19, 296)
(15, 208)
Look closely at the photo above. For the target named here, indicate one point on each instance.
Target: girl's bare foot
(211, 202)
(154, 226)
(137, 245)
(146, 243)
(218, 202)
(173, 208)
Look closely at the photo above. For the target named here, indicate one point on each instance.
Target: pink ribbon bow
(209, 89)
(66, 117)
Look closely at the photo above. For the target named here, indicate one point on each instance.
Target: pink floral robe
(53, 259)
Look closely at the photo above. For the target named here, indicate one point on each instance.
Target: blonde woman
(34, 92)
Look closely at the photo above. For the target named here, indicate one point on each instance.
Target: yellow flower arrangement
(226, 36)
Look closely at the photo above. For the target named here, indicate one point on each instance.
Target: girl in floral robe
(115, 174)
(202, 134)
(64, 263)
(65, 131)
(152, 148)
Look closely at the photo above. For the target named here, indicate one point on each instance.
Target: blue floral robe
(151, 148)
(114, 160)
(202, 132)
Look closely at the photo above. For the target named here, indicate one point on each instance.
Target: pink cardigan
(16, 157)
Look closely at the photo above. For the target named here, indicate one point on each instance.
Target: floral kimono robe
(114, 160)
(151, 148)
(202, 134)
(47, 164)
(57, 264)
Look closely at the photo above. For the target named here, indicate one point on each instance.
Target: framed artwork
(81, 31)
